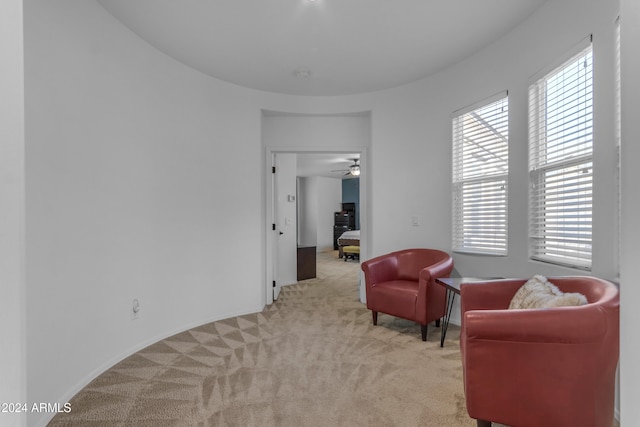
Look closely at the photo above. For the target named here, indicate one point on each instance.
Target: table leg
(450, 297)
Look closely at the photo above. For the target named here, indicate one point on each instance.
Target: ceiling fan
(353, 169)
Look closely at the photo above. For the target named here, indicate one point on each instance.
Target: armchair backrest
(595, 290)
(411, 261)
(405, 264)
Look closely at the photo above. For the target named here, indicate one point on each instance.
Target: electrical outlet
(415, 221)
(135, 309)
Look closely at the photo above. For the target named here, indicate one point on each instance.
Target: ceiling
(321, 47)
(330, 165)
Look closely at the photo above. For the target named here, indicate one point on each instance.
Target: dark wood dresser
(306, 262)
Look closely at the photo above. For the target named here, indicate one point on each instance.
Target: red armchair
(540, 367)
(402, 284)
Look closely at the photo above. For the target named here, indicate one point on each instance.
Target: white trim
(483, 102)
(480, 187)
(561, 163)
(365, 229)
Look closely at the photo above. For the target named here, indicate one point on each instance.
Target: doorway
(297, 133)
(283, 222)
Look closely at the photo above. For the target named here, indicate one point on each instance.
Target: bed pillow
(538, 292)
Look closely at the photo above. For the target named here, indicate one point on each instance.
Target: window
(480, 172)
(561, 163)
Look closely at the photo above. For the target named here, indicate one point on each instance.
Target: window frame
(468, 234)
(561, 185)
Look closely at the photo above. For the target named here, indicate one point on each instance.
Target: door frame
(269, 210)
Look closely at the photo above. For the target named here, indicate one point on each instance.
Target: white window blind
(480, 172)
(560, 163)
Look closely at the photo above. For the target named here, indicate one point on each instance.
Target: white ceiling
(330, 165)
(347, 46)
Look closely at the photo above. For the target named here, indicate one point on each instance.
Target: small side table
(452, 285)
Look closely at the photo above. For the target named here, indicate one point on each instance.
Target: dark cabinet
(343, 221)
(306, 262)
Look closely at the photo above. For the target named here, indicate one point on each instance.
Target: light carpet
(313, 358)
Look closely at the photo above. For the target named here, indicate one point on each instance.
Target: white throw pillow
(538, 292)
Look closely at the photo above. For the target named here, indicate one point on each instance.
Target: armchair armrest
(380, 269)
(441, 268)
(428, 274)
(433, 295)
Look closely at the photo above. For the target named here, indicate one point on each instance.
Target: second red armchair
(402, 284)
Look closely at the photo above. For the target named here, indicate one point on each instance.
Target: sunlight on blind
(480, 169)
(560, 163)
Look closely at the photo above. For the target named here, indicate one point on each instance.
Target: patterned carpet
(313, 358)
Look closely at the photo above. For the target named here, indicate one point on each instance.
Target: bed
(348, 238)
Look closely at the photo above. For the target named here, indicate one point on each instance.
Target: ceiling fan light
(354, 170)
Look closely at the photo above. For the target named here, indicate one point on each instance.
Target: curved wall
(133, 191)
(12, 281)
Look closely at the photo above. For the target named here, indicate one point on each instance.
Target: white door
(285, 220)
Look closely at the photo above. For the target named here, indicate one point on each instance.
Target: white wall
(630, 249)
(307, 211)
(127, 177)
(12, 280)
(329, 201)
(338, 132)
(133, 190)
(319, 198)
